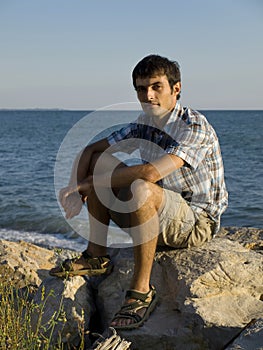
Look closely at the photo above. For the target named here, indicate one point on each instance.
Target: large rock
(63, 307)
(207, 295)
(25, 263)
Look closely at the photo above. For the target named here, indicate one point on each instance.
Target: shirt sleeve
(191, 144)
(128, 132)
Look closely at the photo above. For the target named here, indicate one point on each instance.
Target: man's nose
(150, 94)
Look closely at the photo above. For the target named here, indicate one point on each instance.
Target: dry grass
(17, 331)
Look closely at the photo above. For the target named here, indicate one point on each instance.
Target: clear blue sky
(79, 54)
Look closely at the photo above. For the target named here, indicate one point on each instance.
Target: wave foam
(67, 241)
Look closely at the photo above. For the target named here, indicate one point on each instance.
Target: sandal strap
(130, 311)
(133, 308)
(134, 294)
(94, 263)
(101, 259)
(134, 316)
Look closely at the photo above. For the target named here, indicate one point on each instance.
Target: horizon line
(131, 110)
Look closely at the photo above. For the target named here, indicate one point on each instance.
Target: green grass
(20, 328)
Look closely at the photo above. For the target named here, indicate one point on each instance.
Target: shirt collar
(177, 111)
(174, 115)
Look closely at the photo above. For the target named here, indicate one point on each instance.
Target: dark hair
(153, 65)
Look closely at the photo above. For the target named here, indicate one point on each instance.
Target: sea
(34, 144)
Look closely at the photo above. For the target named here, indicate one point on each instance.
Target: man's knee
(133, 198)
(142, 192)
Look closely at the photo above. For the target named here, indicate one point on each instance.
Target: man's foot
(83, 265)
(136, 310)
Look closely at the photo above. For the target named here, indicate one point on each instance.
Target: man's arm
(123, 177)
(69, 196)
(151, 172)
(120, 177)
(84, 159)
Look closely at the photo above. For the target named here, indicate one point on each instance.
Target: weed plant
(21, 322)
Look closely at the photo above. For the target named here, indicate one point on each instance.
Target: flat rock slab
(207, 296)
(24, 262)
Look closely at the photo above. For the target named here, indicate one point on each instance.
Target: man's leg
(99, 217)
(144, 231)
(97, 246)
(98, 225)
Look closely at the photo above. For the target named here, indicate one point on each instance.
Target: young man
(175, 197)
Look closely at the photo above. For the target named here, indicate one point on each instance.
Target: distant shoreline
(119, 110)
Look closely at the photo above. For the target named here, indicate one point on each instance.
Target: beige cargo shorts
(179, 226)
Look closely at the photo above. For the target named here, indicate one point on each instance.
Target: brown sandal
(98, 266)
(129, 311)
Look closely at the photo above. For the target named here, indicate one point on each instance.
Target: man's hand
(71, 201)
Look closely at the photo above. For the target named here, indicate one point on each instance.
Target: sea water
(30, 142)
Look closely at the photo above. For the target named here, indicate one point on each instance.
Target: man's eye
(157, 87)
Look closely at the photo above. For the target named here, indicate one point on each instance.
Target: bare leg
(98, 221)
(145, 224)
(99, 217)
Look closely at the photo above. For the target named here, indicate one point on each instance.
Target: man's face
(155, 95)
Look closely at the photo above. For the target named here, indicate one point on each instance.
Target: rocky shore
(211, 297)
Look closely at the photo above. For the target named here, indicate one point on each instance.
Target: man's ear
(177, 88)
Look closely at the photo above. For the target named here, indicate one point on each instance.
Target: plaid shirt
(188, 135)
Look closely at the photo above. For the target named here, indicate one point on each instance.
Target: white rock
(207, 295)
